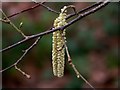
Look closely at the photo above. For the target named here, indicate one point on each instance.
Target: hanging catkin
(58, 50)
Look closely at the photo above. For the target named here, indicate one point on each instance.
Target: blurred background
(92, 43)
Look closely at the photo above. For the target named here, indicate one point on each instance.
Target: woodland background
(92, 42)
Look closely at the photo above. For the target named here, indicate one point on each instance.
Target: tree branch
(82, 15)
(25, 52)
(60, 28)
(12, 24)
(85, 9)
(49, 9)
(31, 8)
(79, 75)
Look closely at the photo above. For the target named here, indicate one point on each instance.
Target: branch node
(21, 24)
(5, 21)
(23, 50)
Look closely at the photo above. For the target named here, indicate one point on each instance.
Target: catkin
(58, 50)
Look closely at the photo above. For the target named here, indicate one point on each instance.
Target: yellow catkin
(58, 50)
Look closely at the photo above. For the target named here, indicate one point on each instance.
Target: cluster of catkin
(58, 50)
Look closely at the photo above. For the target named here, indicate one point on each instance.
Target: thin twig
(16, 44)
(24, 73)
(49, 9)
(31, 8)
(25, 10)
(42, 3)
(71, 63)
(25, 52)
(82, 15)
(74, 68)
(60, 28)
(12, 24)
(84, 9)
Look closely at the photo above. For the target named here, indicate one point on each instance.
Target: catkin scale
(58, 51)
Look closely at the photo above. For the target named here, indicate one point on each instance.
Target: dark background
(92, 42)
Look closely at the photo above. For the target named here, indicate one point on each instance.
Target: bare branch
(31, 8)
(84, 12)
(25, 10)
(49, 9)
(12, 24)
(60, 28)
(71, 63)
(74, 68)
(16, 44)
(25, 74)
(25, 52)
(84, 9)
